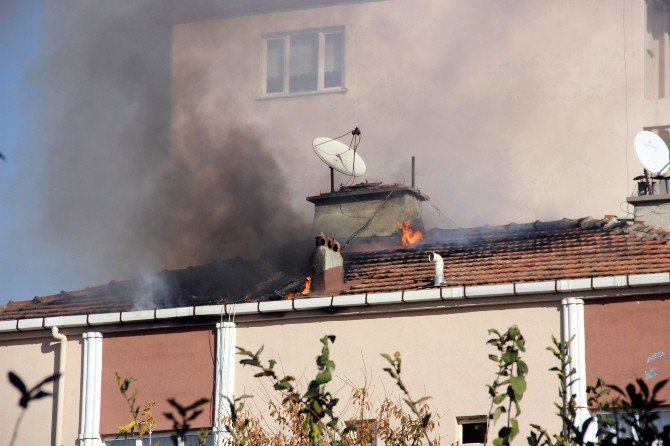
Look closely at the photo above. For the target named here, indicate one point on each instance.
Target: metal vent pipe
(438, 278)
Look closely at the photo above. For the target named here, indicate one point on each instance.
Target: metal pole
(413, 177)
(332, 179)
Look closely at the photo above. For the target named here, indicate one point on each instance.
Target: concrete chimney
(327, 265)
(342, 213)
(652, 204)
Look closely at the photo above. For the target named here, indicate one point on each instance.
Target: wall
(444, 356)
(167, 364)
(621, 336)
(513, 108)
(34, 360)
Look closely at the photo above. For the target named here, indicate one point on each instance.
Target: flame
(303, 292)
(409, 236)
(308, 284)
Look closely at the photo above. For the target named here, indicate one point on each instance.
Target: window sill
(338, 90)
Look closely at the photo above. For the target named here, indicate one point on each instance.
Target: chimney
(371, 206)
(651, 205)
(327, 265)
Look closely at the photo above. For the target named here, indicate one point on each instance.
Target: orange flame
(409, 236)
(303, 292)
(308, 285)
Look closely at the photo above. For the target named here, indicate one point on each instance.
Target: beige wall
(516, 110)
(444, 355)
(34, 360)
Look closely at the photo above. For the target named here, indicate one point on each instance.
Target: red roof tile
(564, 249)
(538, 251)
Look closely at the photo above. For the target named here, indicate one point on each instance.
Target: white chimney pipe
(435, 258)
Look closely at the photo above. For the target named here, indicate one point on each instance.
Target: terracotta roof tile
(565, 249)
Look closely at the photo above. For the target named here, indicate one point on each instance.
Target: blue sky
(28, 264)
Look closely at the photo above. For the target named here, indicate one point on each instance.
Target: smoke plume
(114, 196)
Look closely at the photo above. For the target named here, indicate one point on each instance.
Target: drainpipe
(438, 278)
(58, 440)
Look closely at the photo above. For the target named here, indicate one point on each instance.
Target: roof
(515, 253)
(563, 249)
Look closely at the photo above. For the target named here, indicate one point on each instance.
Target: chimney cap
(367, 192)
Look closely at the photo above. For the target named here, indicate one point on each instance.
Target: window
(472, 430)
(159, 439)
(657, 50)
(303, 62)
(620, 421)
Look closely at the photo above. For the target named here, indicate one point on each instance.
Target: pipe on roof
(60, 395)
(438, 278)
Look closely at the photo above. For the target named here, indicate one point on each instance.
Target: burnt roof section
(564, 249)
(276, 272)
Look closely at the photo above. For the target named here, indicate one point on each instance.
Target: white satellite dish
(339, 156)
(652, 152)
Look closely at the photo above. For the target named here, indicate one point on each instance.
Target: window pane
(275, 66)
(121, 442)
(333, 61)
(473, 432)
(160, 441)
(303, 62)
(192, 440)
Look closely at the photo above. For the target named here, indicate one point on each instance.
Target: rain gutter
(559, 288)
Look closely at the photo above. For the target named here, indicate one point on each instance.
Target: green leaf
(510, 357)
(323, 377)
(515, 428)
(518, 385)
(499, 398)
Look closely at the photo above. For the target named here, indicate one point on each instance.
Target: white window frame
(286, 36)
(460, 421)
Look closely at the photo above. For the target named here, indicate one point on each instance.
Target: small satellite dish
(652, 152)
(339, 156)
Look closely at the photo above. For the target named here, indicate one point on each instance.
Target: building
(520, 90)
(602, 281)
(513, 99)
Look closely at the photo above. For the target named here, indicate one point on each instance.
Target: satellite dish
(339, 156)
(652, 152)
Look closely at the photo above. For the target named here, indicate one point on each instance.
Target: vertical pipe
(332, 179)
(413, 172)
(60, 395)
(90, 388)
(224, 380)
(98, 386)
(581, 384)
(84, 388)
(91, 383)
